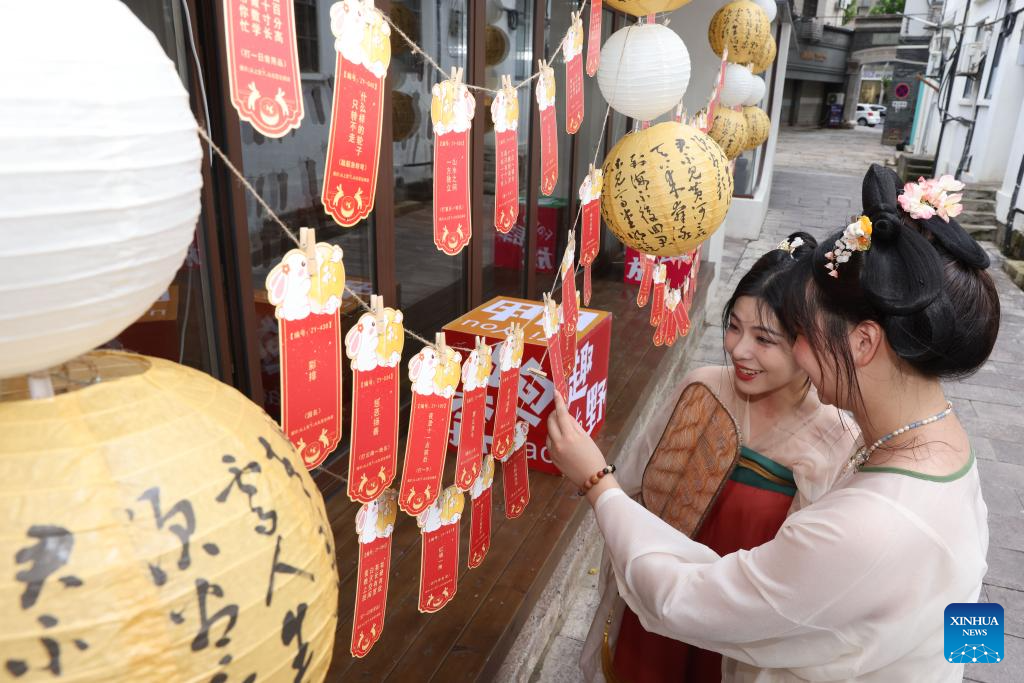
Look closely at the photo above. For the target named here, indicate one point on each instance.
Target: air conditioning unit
(974, 53)
(835, 98)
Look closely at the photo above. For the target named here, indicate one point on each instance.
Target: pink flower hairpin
(936, 197)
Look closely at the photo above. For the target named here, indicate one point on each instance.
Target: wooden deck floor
(469, 638)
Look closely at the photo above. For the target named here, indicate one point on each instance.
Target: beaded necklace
(858, 459)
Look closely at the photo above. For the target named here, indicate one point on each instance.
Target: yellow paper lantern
(641, 8)
(765, 57)
(495, 46)
(158, 526)
(758, 127)
(666, 189)
(741, 26)
(729, 130)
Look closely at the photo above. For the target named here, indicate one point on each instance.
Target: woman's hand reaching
(574, 452)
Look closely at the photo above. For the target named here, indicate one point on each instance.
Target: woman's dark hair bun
(808, 246)
(901, 273)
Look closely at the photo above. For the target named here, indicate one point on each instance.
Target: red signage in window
(374, 345)
(548, 129)
(452, 108)
(594, 38)
(263, 64)
(505, 116)
(480, 518)
(353, 148)
(572, 50)
(375, 523)
(434, 373)
(439, 562)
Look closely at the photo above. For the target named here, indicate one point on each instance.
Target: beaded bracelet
(594, 478)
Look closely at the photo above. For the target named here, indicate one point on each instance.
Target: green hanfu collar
(943, 479)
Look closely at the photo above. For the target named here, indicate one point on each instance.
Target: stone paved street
(816, 188)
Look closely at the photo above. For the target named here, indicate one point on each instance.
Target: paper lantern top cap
(641, 8)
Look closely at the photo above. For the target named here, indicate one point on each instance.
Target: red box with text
(588, 385)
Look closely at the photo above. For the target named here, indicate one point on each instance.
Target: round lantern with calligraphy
(405, 115)
(158, 527)
(765, 57)
(666, 189)
(641, 8)
(741, 26)
(758, 127)
(729, 130)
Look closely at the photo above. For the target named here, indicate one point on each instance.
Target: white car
(866, 116)
(880, 108)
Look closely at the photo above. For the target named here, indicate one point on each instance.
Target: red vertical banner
(572, 51)
(515, 475)
(590, 245)
(553, 337)
(362, 38)
(374, 346)
(306, 293)
(510, 357)
(375, 523)
(646, 279)
(569, 306)
(439, 561)
(480, 518)
(452, 108)
(668, 328)
(263, 65)
(594, 38)
(548, 129)
(505, 116)
(476, 373)
(434, 373)
(658, 304)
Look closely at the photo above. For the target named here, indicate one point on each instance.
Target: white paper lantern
(99, 178)
(644, 70)
(736, 86)
(757, 89)
(769, 7)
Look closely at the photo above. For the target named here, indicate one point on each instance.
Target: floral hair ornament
(856, 237)
(790, 246)
(936, 197)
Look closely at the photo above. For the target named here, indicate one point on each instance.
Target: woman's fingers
(554, 429)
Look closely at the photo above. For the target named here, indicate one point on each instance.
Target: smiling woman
(792, 447)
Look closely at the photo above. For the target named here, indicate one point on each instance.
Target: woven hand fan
(693, 460)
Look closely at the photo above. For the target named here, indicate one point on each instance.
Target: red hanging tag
(658, 305)
(515, 475)
(480, 520)
(374, 345)
(682, 320)
(375, 523)
(439, 561)
(570, 308)
(362, 38)
(548, 129)
(434, 373)
(646, 278)
(263, 66)
(553, 336)
(452, 108)
(476, 373)
(594, 38)
(510, 357)
(572, 51)
(705, 123)
(665, 335)
(590, 245)
(505, 115)
(306, 289)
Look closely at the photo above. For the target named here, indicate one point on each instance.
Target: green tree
(850, 12)
(888, 7)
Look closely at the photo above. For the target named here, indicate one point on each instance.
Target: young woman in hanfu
(854, 585)
(790, 442)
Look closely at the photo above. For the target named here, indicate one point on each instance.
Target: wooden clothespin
(377, 306)
(440, 345)
(537, 372)
(307, 243)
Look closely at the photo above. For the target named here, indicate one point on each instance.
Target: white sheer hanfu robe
(853, 587)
